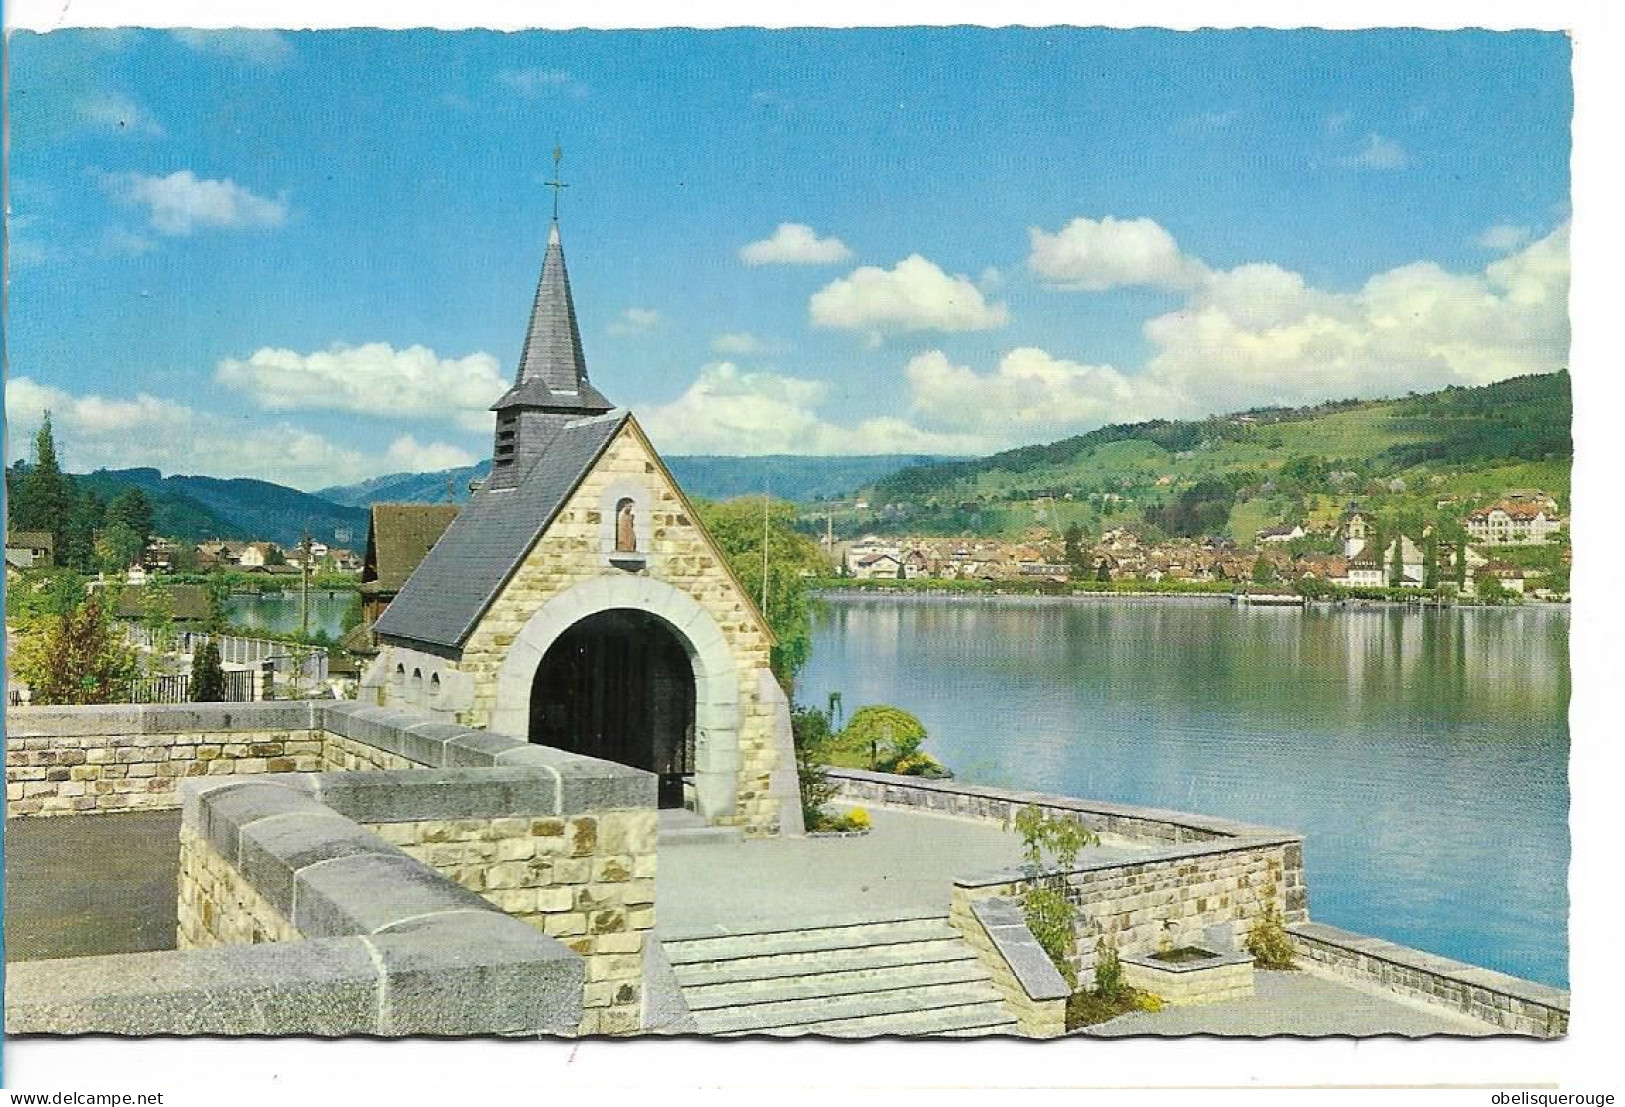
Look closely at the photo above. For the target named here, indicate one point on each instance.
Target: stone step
(825, 923)
(959, 1021)
(870, 958)
(814, 940)
(742, 993)
(818, 1009)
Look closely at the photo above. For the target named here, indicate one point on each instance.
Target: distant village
(1350, 555)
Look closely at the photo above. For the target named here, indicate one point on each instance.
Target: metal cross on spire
(555, 184)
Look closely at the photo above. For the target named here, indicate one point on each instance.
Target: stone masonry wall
(341, 754)
(1141, 903)
(84, 774)
(218, 907)
(588, 881)
(679, 553)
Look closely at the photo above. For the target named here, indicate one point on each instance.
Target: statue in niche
(626, 537)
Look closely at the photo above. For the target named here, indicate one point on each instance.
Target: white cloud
(1502, 237)
(635, 320)
(1259, 334)
(1378, 152)
(95, 432)
(113, 111)
(913, 296)
(1032, 396)
(539, 82)
(407, 455)
(726, 411)
(1094, 256)
(739, 344)
(181, 203)
(263, 48)
(1337, 120)
(371, 379)
(795, 244)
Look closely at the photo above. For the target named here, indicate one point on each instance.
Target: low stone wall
(563, 843)
(1509, 1002)
(1203, 871)
(356, 938)
(1030, 985)
(95, 760)
(1170, 895)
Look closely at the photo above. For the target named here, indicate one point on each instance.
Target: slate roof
(444, 599)
(552, 369)
(398, 537)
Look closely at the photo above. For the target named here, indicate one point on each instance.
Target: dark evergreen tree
(132, 508)
(1073, 541)
(1430, 562)
(43, 493)
(84, 520)
(208, 676)
(1396, 568)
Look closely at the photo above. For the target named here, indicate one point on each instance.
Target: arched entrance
(619, 685)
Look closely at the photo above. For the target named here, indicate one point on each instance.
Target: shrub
(857, 819)
(810, 728)
(1109, 980)
(208, 678)
(1267, 939)
(1051, 915)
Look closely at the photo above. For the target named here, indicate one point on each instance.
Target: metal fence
(242, 686)
(307, 664)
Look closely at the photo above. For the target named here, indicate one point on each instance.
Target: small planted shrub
(1051, 842)
(1109, 981)
(1267, 939)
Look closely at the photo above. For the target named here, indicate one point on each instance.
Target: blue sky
(309, 256)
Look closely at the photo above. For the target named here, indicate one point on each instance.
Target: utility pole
(765, 502)
(304, 585)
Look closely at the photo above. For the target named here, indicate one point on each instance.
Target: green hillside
(1422, 455)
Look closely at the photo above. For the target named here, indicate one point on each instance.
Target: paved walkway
(1300, 1004)
(907, 862)
(77, 886)
(106, 884)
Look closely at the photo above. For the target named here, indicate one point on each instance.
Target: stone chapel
(577, 601)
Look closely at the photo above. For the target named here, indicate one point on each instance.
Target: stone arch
(717, 712)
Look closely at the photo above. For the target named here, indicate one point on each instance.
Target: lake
(279, 613)
(1424, 755)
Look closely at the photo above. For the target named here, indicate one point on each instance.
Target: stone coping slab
(1006, 927)
(158, 718)
(456, 976)
(1218, 959)
(1405, 957)
(1187, 820)
(1136, 863)
(582, 782)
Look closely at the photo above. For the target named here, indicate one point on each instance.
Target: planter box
(1188, 982)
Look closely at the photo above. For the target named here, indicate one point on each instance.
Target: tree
(219, 620)
(78, 657)
(85, 517)
(793, 562)
(132, 508)
(1430, 562)
(1396, 568)
(1461, 564)
(890, 733)
(43, 493)
(158, 619)
(811, 731)
(118, 547)
(1489, 588)
(1103, 571)
(1076, 566)
(1263, 571)
(208, 676)
(48, 595)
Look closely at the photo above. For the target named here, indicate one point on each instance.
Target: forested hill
(1522, 417)
(195, 508)
(1470, 441)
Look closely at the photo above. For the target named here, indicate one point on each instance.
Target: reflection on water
(1423, 755)
(280, 613)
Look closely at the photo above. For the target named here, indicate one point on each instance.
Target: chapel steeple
(550, 387)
